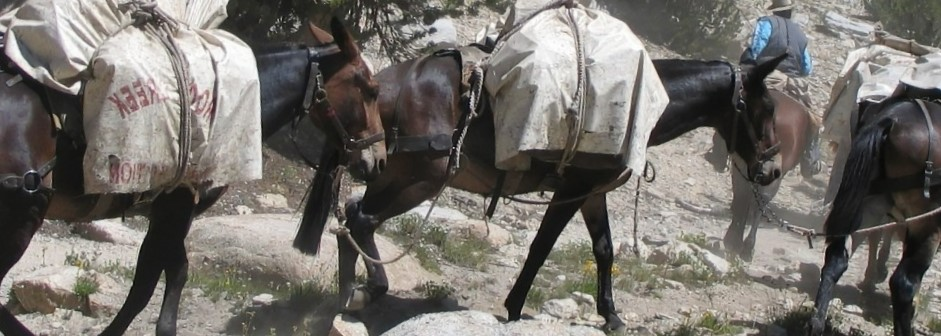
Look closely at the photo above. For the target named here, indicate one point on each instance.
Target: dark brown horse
(799, 135)
(889, 170)
(344, 103)
(421, 102)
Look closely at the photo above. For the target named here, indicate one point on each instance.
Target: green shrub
(698, 28)
(917, 19)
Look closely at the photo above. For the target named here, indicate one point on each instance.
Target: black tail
(862, 164)
(320, 201)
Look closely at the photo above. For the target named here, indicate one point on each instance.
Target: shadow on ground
(314, 313)
(874, 304)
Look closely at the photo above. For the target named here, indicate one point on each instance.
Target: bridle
(315, 97)
(741, 112)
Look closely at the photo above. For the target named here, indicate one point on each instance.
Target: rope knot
(340, 230)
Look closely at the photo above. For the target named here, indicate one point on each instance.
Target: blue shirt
(760, 41)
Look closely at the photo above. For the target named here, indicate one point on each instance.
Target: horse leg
(755, 218)
(553, 222)
(21, 215)
(362, 229)
(163, 249)
(386, 198)
(176, 265)
(918, 252)
(595, 213)
(718, 156)
(836, 261)
(868, 285)
(882, 269)
(874, 210)
(742, 199)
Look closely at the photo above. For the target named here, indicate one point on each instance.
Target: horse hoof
(816, 327)
(883, 274)
(357, 300)
(614, 325)
(867, 286)
(746, 257)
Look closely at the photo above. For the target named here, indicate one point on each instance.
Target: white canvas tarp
(869, 74)
(532, 77)
(132, 103)
(925, 73)
(53, 41)
(132, 113)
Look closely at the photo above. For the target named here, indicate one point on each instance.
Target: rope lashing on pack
(161, 25)
(575, 114)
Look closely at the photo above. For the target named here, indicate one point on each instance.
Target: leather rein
(741, 112)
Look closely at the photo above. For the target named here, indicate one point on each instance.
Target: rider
(775, 34)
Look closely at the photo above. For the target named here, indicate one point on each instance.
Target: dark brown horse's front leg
(595, 213)
(835, 264)
(756, 216)
(921, 243)
(396, 191)
(362, 228)
(743, 200)
(553, 222)
(21, 215)
(163, 249)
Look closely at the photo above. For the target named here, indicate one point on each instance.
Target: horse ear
(344, 39)
(320, 35)
(762, 70)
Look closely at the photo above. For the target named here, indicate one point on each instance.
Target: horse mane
(672, 68)
(687, 75)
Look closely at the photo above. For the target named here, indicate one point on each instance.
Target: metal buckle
(32, 181)
(314, 84)
(929, 170)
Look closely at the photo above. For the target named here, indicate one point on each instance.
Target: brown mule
(798, 132)
(421, 102)
(345, 104)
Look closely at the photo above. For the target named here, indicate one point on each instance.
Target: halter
(741, 108)
(315, 97)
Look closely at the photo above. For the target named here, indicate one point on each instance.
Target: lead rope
(649, 178)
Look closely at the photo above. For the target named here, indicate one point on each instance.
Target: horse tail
(320, 200)
(862, 165)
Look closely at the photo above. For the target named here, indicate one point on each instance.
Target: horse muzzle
(366, 164)
(766, 172)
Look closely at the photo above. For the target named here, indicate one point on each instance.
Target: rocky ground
(246, 280)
